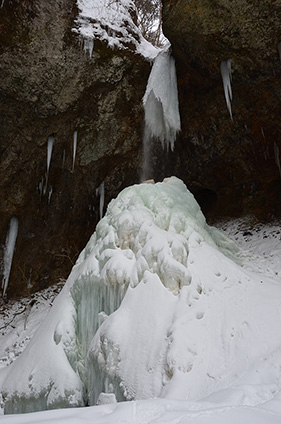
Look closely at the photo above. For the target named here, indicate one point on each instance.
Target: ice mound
(159, 304)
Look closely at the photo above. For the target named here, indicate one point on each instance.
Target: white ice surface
(200, 320)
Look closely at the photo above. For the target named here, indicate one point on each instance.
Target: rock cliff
(50, 87)
(233, 166)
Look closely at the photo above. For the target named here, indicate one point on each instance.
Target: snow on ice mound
(159, 304)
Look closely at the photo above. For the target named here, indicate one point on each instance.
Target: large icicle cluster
(159, 304)
(161, 106)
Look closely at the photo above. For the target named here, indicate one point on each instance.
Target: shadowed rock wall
(232, 166)
(49, 86)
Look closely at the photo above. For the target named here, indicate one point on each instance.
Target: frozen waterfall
(139, 313)
(162, 119)
(226, 79)
(9, 252)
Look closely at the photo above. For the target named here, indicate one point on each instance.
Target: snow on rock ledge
(111, 21)
(158, 305)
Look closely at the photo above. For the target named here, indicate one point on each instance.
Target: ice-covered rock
(159, 304)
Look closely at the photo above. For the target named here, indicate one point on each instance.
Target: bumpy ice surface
(159, 304)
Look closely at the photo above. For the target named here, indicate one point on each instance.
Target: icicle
(162, 119)
(9, 252)
(2, 4)
(74, 149)
(226, 79)
(100, 192)
(276, 156)
(63, 159)
(50, 194)
(41, 186)
(51, 140)
(88, 46)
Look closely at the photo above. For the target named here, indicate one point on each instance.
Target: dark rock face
(49, 86)
(231, 166)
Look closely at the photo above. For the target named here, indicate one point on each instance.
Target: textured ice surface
(159, 304)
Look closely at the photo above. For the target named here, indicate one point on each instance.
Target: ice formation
(9, 252)
(50, 194)
(74, 149)
(111, 21)
(161, 106)
(51, 140)
(100, 192)
(226, 79)
(159, 304)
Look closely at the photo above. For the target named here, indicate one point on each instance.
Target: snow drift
(159, 304)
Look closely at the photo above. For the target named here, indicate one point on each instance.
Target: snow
(111, 21)
(160, 309)
(226, 79)
(9, 252)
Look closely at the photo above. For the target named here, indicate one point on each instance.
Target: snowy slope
(200, 319)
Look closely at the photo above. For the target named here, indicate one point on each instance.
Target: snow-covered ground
(245, 390)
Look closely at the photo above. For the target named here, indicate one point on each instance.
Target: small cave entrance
(206, 198)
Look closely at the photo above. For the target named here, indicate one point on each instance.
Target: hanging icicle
(9, 253)
(226, 79)
(74, 149)
(100, 192)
